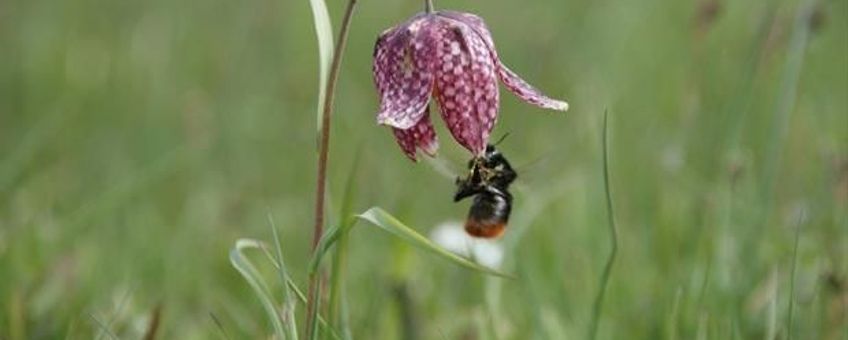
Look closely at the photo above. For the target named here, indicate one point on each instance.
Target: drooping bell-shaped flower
(450, 56)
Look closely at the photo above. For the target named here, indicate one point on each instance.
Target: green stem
(428, 6)
(599, 299)
(323, 153)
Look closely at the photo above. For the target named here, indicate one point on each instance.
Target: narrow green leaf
(389, 223)
(288, 298)
(324, 32)
(312, 330)
(385, 221)
(293, 292)
(337, 305)
(254, 279)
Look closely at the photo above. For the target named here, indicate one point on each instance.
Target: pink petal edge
(402, 72)
(420, 136)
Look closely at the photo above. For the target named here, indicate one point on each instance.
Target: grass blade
(599, 299)
(337, 315)
(312, 324)
(324, 32)
(787, 93)
(288, 300)
(299, 295)
(249, 272)
(389, 223)
(254, 279)
(293, 293)
(792, 277)
(103, 327)
(386, 222)
(219, 326)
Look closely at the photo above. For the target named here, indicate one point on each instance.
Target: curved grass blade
(389, 223)
(288, 300)
(254, 279)
(599, 299)
(392, 225)
(292, 291)
(324, 32)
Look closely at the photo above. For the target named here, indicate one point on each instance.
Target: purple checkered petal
(466, 85)
(511, 80)
(419, 136)
(402, 71)
(476, 23)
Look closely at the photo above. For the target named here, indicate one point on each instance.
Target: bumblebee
(488, 180)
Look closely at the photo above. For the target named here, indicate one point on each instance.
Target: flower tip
(430, 148)
(388, 120)
(560, 105)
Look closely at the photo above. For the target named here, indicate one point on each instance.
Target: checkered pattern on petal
(511, 80)
(476, 23)
(402, 70)
(466, 85)
(419, 136)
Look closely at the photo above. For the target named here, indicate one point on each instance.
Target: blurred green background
(140, 139)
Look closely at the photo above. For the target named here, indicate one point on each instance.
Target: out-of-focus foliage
(140, 139)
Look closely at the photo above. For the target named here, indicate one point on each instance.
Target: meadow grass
(140, 140)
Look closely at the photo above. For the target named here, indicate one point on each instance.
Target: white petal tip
(430, 149)
(395, 123)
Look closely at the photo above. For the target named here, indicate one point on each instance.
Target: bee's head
(490, 148)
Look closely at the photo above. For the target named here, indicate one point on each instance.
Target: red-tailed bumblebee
(488, 181)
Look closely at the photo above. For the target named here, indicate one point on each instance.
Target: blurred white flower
(452, 236)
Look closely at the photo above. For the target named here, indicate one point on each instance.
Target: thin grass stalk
(337, 278)
(599, 299)
(787, 94)
(792, 277)
(337, 306)
(323, 153)
(337, 315)
(738, 108)
(288, 299)
(219, 326)
(103, 327)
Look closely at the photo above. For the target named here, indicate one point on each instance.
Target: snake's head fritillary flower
(451, 57)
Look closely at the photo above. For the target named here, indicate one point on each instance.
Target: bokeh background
(140, 139)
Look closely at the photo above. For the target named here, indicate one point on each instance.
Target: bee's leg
(465, 190)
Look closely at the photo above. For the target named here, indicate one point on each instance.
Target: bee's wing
(444, 167)
(535, 166)
(537, 171)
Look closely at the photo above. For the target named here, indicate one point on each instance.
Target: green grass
(140, 140)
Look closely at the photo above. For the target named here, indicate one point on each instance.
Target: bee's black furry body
(488, 181)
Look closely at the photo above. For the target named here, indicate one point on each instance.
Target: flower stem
(323, 153)
(428, 6)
